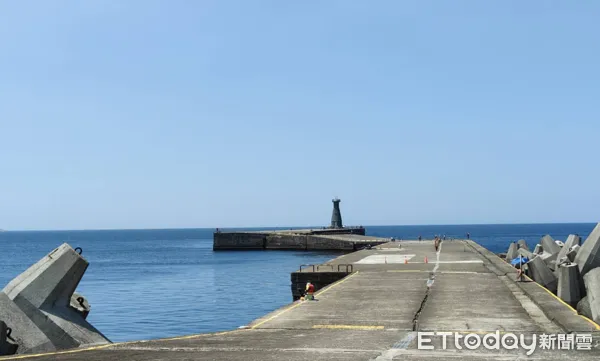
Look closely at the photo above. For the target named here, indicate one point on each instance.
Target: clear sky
(160, 114)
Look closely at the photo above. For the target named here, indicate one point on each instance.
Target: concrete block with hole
(41, 308)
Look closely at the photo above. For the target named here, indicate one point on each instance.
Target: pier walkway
(396, 290)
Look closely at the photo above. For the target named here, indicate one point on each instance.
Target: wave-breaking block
(549, 245)
(571, 241)
(523, 244)
(6, 346)
(538, 249)
(512, 252)
(588, 256)
(36, 305)
(568, 283)
(592, 286)
(542, 274)
(550, 259)
(525, 253)
(583, 307)
(573, 253)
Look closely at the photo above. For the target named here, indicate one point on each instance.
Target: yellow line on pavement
(349, 327)
(596, 326)
(57, 353)
(100, 347)
(301, 302)
(333, 285)
(566, 304)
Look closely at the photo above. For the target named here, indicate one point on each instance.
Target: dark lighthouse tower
(336, 215)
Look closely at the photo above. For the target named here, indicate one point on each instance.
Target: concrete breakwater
(336, 237)
(569, 269)
(346, 239)
(385, 297)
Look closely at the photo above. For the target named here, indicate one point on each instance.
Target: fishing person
(309, 292)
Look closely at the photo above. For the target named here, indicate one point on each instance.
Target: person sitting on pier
(310, 290)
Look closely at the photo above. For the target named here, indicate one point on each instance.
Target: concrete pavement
(376, 312)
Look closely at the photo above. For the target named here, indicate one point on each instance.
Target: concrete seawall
(345, 239)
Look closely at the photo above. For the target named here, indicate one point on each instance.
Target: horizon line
(285, 227)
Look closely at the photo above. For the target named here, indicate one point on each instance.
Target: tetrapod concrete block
(25, 332)
(542, 274)
(549, 245)
(592, 286)
(522, 244)
(37, 305)
(583, 308)
(80, 303)
(525, 253)
(571, 241)
(6, 346)
(550, 259)
(568, 283)
(538, 249)
(588, 256)
(573, 252)
(512, 252)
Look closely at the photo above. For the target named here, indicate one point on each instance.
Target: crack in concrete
(429, 284)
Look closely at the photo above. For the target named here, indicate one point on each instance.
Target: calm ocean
(145, 284)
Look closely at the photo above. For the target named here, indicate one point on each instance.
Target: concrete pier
(375, 312)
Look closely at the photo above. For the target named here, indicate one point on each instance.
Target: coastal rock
(588, 256)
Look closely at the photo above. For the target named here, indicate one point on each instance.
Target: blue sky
(152, 114)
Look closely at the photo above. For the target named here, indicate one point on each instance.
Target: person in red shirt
(310, 290)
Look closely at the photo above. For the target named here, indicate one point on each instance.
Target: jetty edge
(395, 293)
